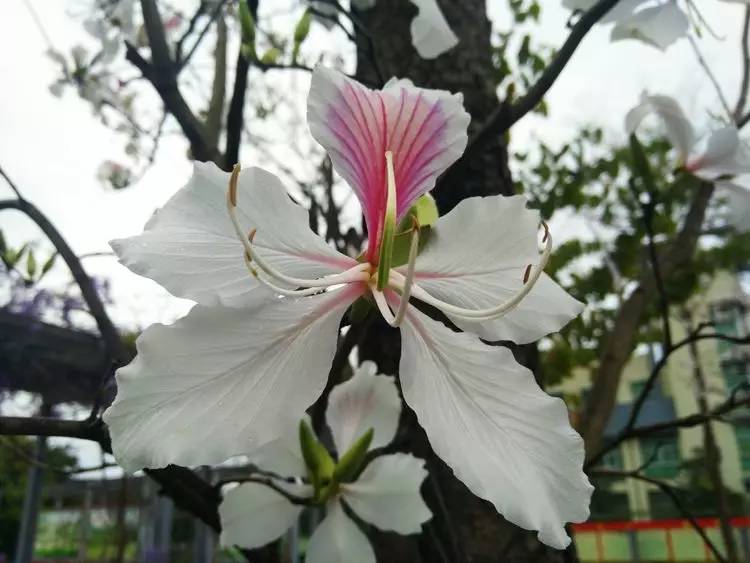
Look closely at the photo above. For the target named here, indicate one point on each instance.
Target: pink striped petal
(425, 130)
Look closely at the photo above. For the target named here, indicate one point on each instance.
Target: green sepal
(319, 463)
(425, 210)
(402, 245)
(351, 462)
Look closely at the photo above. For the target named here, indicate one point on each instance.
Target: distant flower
(721, 154)
(659, 24)
(257, 348)
(431, 34)
(385, 493)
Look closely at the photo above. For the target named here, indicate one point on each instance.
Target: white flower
(256, 350)
(722, 153)
(385, 493)
(430, 33)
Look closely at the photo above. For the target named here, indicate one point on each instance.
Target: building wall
(677, 386)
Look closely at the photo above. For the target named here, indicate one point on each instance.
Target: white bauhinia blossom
(256, 350)
(362, 412)
(658, 23)
(720, 155)
(431, 34)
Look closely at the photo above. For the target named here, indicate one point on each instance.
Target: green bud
(350, 463)
(3, 245)
(303, 28)
(270, 56)
(426, 211)
(247, 23)
(49, 263)
(30, 265)
(402, 245)
(317, 459)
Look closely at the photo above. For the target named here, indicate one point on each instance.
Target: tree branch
(621, 339)
(630, 431)
(668, 490)
(505, 115)
(115, 348)
(745, 83)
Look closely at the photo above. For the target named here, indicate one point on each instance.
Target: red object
(670, 524)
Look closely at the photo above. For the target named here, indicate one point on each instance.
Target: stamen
(356, 273)
(409, 281)
(280, 290)
(526, 273)
(383, 306)
(477, 315)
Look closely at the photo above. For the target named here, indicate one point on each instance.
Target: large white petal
(253, 515)
(486, 417)
(387, 494)
(365, 401)
(659, 26)
(191, 249)
(339, 540)
(678, 129)
(282, 455)
(476, 257)
(222, 381)
(724, 155)
(430, 33)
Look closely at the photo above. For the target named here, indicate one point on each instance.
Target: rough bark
(464, 528)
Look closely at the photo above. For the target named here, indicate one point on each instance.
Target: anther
(526, 274)
(546, 232)
(232, 193)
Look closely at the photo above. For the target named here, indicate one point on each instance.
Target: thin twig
(215, 14)
(668, 490)
(711, 76)
(745, 83)
(504, 116)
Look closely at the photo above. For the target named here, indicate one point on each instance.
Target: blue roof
(655, 410)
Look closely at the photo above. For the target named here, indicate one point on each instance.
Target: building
(674, 456)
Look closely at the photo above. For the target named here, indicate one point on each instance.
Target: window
(728, 318)
(742, 434)
(735, 373)
(662, 453)
(613, 459)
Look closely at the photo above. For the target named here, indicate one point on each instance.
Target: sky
(52, 147)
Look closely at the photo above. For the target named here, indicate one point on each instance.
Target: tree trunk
(464, 528)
